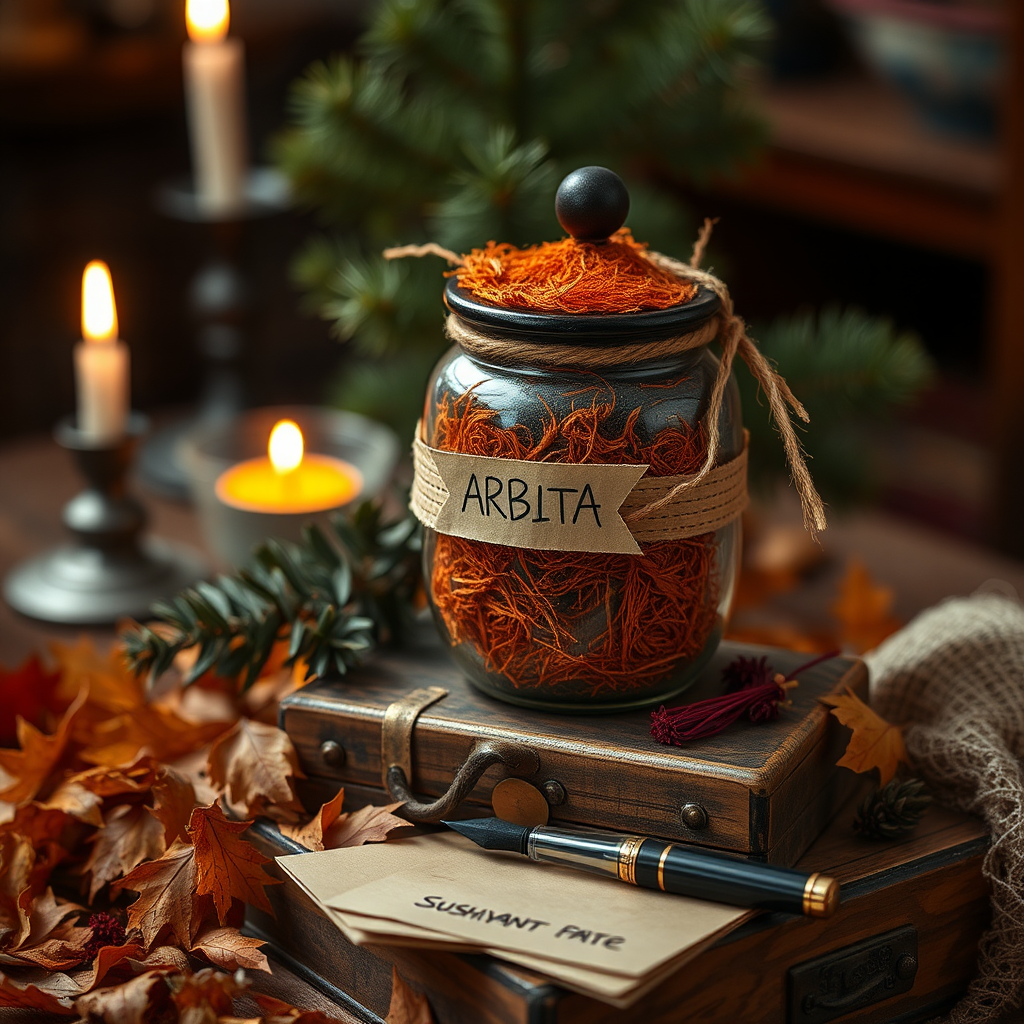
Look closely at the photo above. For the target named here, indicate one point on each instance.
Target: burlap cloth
(955, 678)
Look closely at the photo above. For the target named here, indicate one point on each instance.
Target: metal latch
(853, 977)
(396, 759)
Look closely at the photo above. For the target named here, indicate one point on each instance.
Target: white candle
(101, 361)
(215, 95)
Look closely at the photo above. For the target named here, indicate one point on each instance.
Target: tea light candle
(215, 94)
(101, 361)
(288, 481)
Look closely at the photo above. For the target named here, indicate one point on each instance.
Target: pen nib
(493, 833)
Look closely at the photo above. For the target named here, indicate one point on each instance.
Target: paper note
(595, 935)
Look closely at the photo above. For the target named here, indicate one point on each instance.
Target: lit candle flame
(285, 447)
(207, 20)
(99, 314)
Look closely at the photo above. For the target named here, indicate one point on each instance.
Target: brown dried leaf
(255, 763)
(174, 799)
(227, 866)
(73, 799)
(39, 756)
(369, 825)
(874, 743)
(148, 729)
(112, 687)
(170, 957)
(229, 949)
(311, 835)
(108, 959)
(52, 942)
(130, 835)
(331, 829)
(407, 1005)
(864, 609)
(143, 1000)
(17, 858)
(37, 823)
(204, 996)
(275, 1011)
(166, 889)
(48, 992)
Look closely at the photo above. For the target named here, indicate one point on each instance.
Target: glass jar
(570, 630)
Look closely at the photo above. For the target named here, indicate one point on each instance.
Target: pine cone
(894, 810)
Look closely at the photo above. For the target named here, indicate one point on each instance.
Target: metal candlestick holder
(219, 299)
(110, 570)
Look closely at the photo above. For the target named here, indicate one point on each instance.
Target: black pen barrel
(722, 879)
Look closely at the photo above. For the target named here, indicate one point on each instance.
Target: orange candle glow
(287, 480)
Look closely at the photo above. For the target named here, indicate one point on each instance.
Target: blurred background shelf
(853, 152)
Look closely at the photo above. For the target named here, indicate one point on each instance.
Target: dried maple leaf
(143, 1000)
(25, 692)
(864, 609)
(166, 888)
(874, 743)
(407, 1005)
(255, 763)
(129, 835)
(331, 829)
(227, 866)
(31, 766)
(229, 949)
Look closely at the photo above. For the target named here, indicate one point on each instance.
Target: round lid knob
(591, 203)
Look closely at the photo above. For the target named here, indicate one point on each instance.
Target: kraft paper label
(547, 505)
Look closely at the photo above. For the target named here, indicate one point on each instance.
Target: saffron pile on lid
(571, 276)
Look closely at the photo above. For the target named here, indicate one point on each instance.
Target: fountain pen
(654, 864)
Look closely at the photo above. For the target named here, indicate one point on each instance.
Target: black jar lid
(591, 204)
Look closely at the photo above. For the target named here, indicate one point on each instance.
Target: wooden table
(36, 478)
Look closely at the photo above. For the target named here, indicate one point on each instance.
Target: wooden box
(901, 947)
(764, 790)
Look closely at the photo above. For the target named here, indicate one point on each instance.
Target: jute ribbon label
(559, 506)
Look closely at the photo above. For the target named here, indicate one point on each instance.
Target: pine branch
(334, 597)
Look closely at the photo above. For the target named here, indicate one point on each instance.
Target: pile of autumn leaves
(116, 799)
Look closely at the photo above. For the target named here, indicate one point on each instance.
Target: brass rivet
(332, 753)
(554, 792)
(906, 966)
(694, 817)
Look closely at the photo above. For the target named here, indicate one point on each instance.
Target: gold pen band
(629, 850)
(661, 867)
(821, 896)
